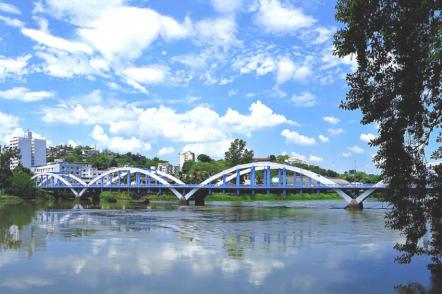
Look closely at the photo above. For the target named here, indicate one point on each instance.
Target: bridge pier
(199, 201)
(184, 202)
(355, 205)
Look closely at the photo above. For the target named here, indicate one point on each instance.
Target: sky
(160, 76)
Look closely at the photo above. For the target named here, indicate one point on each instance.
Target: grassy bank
(272, 197)
(9, 199)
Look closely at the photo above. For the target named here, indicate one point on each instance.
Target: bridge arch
(157, 175)
(61, 178)
(246, 168)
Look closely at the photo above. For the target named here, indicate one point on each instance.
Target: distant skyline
(159, 77)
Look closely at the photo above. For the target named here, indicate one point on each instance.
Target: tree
(21, 184)
(238, 153)
(6, 154)
(398, 87)
(204, 158)
(272, 158)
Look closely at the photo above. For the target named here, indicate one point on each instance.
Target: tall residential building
(32, 152)
(186, 156)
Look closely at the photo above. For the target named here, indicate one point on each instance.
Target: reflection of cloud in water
(26, 283)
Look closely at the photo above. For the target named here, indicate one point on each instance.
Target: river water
(259, 247)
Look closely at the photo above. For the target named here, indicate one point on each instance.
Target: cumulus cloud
(260, 63)
(306, 99)
(276, 17)
(217, 31)
(24, 94)
(166, 151)
(8, 124)
(367, 137)
(13, 67)
(294, 137)
(197, 125)
(119, 144)
(288, 70)
(331, 119)
(323, 138)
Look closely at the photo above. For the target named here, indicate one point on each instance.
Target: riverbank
(9, 199)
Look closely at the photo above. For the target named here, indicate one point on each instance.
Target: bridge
(246, 178)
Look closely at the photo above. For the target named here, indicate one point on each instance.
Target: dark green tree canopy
(398, 86)
(204, 158)
(238, 153)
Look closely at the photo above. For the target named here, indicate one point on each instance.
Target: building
(32, 152)
(186, 156)
(296, 159)
(168, 168)
(62, 166)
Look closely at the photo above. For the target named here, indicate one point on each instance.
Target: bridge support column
(354, 205)
(199, 201)
(184, 202)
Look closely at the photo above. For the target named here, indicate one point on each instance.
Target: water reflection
(220, 248)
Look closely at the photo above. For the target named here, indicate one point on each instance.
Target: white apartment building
(32, 152)
(168, 168)
(62, 166)
(186, 156)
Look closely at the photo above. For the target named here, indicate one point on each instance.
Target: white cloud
(331, 119)
(13, 67)
(8, 8)
(214, 148)
(123, 32)
(288, 70)
(49, 40)
(217, 31)
(166, 151)
(276, 17)
(355, 149)
(367, 137)
(8, 124)
(323, 138)
(119, 144)
(226, 6)
(145, 75)
(260, 63)
(59, 63)
(335, 132)
(314, 158)
(24, 94)
(330, 60)
(13, 22)
(200, 124)
(346, 154)
(323, 35)
(306, 99)
(296, 138)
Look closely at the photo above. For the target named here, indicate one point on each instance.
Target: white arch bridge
(251, 178)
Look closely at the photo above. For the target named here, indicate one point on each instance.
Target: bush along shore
(112, 197)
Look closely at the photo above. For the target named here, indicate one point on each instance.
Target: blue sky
(160, 76)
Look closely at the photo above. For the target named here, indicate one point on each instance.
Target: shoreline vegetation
(112, 197)
(10, 200)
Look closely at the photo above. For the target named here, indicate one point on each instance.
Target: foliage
(107, 196)
(196, 172)
(21, 184)
(107, 159)
(397, 86)
(238, 153)
(204, 158)
(6, 154)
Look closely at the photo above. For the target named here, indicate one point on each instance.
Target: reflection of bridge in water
(247, 178)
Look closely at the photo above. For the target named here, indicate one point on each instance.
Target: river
(253, 247)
